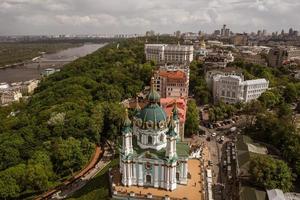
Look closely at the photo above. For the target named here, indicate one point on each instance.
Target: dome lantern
(153, 95)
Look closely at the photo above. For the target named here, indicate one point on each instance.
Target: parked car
(213, 134)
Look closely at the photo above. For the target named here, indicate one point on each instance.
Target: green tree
(192, 119)
(290, 93)
(271, 173)
(270, 98)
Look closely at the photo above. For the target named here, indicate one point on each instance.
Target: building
(232, 89)
(222, 71)
(240, 39)
(9, 96)
(278, 55)
(218, 60)
(254, 58)
(171, 84)
(151, 153)
(169, 53)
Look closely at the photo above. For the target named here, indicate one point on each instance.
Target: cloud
(137, 16)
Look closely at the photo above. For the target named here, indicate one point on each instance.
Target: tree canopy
(271, 173)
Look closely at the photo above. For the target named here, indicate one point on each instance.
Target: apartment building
(278, 55)
(171, 84)
(9, 96)
(232, 89)
(209, 75)
(218, 59)
(169, 53)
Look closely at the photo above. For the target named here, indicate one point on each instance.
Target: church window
(148, 179)
(149, 140)
(177, 176)
(149, 124)
(148, 165)
(161, 137)
(161, 124)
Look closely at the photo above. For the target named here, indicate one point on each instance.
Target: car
(213, 134)
(210, 163)
(222, 138)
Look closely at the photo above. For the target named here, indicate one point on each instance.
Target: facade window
(233, 94)
(161, 137)
(177, 176)
(223, 93)
(149, 140)
(148, 179)
(148, 165)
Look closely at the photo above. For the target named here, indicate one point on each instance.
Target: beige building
(254, 58)
(8, 97)
(232, 89)
(173, 84)
(169, 53)
(240, 39)
(277, 56)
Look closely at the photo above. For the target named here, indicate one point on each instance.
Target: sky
(37, 17)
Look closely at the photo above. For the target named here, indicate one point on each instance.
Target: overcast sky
(137, 16)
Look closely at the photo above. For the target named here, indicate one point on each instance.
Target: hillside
(53, 134)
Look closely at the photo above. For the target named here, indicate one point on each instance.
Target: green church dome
(152, 116)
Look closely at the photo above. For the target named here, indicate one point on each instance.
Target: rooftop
(173, 74)
(255, 81)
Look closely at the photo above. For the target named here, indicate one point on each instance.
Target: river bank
(32, 69)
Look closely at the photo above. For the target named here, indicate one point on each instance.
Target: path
(83, 180)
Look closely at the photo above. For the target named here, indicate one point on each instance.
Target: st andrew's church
(152, 154)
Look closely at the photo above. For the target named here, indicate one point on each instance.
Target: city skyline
(36, 17)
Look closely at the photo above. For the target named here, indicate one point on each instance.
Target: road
(78, 184)
(217, 155)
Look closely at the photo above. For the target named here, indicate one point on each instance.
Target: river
(33, 70)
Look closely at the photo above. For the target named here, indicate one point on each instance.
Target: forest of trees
(46, 139)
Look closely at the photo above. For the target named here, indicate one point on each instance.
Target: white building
(209, 75)
(169, 53)
(232, 89)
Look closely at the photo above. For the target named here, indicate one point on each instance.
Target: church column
(162, 176)
(167, 178)
(134, 181)
(156, 176)
(124, 179)
(141, 175)
(129, 174)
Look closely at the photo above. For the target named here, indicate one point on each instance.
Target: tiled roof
(172, 74)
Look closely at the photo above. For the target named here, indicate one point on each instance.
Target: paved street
(78, 184)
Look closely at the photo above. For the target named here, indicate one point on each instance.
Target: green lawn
(98, 187)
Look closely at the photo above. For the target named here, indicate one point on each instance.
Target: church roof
(153, 96)
(126, 124)
(152, 113)
(171, 131)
